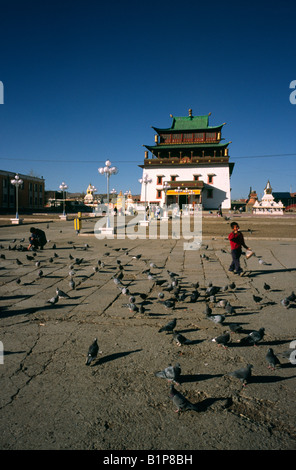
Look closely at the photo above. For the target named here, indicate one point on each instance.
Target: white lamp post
(145, 180)
(108, 170)
(63, 187)
(17, 181)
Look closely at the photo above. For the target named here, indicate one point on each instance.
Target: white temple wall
(220, 186)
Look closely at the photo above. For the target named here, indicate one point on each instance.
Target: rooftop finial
(190, 112)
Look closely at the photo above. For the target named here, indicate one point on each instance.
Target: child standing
(236, 240)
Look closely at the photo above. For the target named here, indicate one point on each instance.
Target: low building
(30, 193)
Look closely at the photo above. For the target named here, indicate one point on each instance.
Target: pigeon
(61, 294)
(170, 373)
(257, 299)
(272, 359)
(125, 291)
(216, 318)
(160, 295)
(169, 327)
(136, 257)
(222, 339)
(232, 285)
(291, 297)
(235, 327)
(92, 352)
(253, 338)
(181, 402)
(207, 310)
(285, 302)
(72, 284)
(194, 296)
(53, 300)
(132, 307)
(18, 281)
(222, 303)
(40, 273)
(229, 309)
(180, 339)
(18, 262)
(290, 353)
(168, 304)
(244, 374)
(266, 286)
(212, 290)
(29, 258)
(171, 274)
(117, 281)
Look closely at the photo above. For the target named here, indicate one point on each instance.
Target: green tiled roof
(186, 146)
(186, 123)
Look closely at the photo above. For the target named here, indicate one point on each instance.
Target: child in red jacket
(236, 240)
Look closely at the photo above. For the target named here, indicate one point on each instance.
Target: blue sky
(85, 80)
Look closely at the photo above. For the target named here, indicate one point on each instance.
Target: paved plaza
(50, 399)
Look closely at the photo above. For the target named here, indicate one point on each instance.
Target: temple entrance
(182, 200)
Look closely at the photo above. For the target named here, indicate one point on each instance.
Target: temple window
(173, 177)
(198, 136)
(176, 138)
(158, 194)
(209, 193)
(165, 138)
(187, 137)
(159, 179)
(210, 179)
(211, 136)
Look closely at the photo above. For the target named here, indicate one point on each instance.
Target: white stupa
(267, 205)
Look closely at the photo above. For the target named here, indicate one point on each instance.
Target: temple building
(89, 197)
(267, 205)
(189, 164)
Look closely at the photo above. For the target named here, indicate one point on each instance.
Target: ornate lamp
(108, 170)
(17, 181)
(63, 187)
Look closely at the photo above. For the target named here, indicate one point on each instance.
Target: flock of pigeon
(178, 295)
(171, 285)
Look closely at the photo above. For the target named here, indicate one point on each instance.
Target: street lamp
(17, 181)
(63, 187)
(108, 170)
(145, 180)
